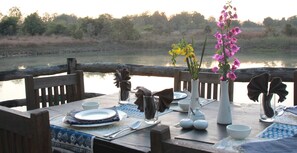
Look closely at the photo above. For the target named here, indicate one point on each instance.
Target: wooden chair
(208, 84)
(161, 142)
(295, 87)
(24, 132)
(54, 90)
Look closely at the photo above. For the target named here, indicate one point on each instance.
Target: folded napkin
(259, 84)
(121, 81)
(71, 120)
(292, 110)
(276, 86)
(274, 146)
(165, 98)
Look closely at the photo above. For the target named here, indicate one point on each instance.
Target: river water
(103, 83)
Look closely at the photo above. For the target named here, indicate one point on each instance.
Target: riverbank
(16, 46)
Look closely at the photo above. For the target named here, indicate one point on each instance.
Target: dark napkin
(258, 85)
(141, 91)
(70, 119)
(276, 86)
(165, 98)
(121, 81)
(285, 145)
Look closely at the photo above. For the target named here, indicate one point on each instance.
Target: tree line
(128, 27)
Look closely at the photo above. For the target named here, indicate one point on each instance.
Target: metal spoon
(133, 126)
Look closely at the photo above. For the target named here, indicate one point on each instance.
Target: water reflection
(143, 58)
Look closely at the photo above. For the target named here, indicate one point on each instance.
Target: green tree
(268, 22)
(159, 23)
(250, 24)
(34, 25)
(106, 21)
(123, 30)
(9, 26)
(142, 22)
(15, 12)
(289, 30)
(63, 25)
(57, 29)
(269, 26)
(212, 22)
(198, 21)
(292, 20)
(180, 22)
(100, 27)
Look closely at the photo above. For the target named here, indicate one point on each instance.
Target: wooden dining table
(139, 141)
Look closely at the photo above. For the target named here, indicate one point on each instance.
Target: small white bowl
(90, 105)
(238, 131)
(184, 104)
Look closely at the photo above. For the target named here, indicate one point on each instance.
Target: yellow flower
(185, 49)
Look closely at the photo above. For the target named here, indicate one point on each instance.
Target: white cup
(90, 105)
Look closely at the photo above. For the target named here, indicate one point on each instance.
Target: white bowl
(238, 131)
(184, 104)
(90, 105)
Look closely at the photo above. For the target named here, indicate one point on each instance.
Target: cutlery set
(132, 126)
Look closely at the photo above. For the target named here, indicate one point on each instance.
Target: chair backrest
(295, 87)
(161, 142)
(208, 84)
(54, 90)
(24, 132)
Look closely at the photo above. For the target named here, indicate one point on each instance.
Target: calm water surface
(103, 83)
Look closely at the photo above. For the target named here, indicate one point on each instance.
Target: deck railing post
(71, 65)
(295, 87)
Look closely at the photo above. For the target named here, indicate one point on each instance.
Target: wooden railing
(243, 75)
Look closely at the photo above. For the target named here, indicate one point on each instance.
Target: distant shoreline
(41, 45)
(21, 46)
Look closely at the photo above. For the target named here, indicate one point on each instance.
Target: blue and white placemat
(278, 131)
(288, 117)
(68, 140)
(132, 110)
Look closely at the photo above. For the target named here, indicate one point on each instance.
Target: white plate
(95, 114)
(122, 115)
(179, 95)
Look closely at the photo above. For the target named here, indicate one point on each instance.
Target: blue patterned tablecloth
(278, 131)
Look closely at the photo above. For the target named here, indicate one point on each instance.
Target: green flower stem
(202, 54)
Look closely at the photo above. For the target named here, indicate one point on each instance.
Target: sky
(253, 10)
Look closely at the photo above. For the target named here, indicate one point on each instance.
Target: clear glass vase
(194, 112)
(124, 93)
(267, 107)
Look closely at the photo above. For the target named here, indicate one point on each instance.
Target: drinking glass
(267, 107)
(150, 106)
